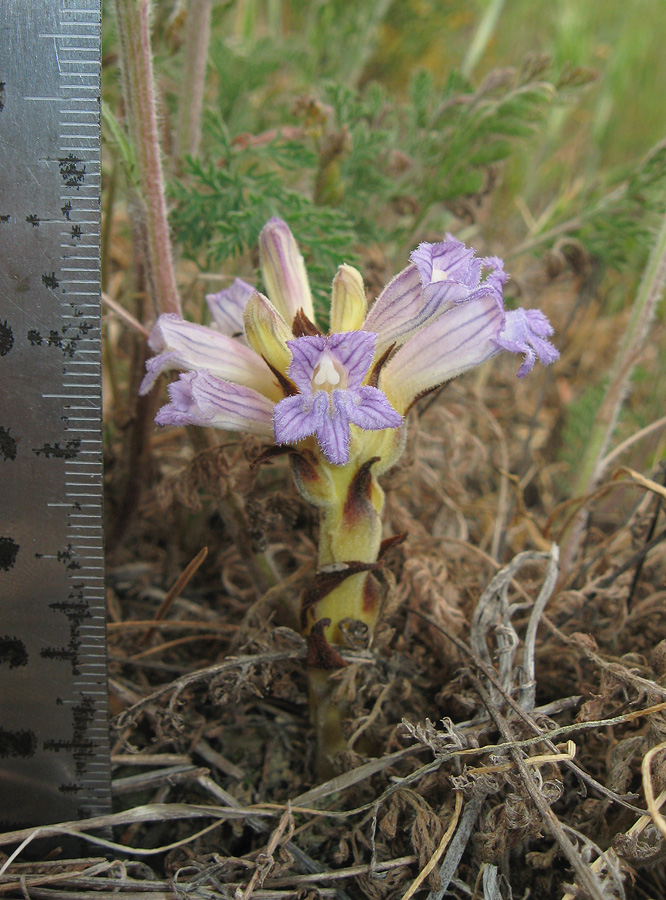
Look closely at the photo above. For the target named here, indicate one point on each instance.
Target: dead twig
(180, 584)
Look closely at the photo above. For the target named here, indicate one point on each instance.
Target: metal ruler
(54, 745)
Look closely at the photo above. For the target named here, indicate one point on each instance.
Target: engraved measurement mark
(71, 174)
(50, 281)
(66, 339)
(6, 338)
(7, 444)
(8, 552)
(77, 611)
(55, 451)
(13, 652)
(80, 746)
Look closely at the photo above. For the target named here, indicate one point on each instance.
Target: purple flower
(439, 317)
(441, 276)
(329, 373)
(184, 345)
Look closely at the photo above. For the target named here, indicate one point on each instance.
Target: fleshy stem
(197, 37)
(139, 96)
(594, 461)
(342, 603)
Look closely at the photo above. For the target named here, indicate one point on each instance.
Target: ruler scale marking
(54, 749)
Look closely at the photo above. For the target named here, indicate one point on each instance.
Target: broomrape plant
(338, 401)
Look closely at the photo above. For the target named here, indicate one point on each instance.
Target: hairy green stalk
(141, 116)
(482, 37)
(594, 462)
(190, 104)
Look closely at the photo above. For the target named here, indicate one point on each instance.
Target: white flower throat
(329, 374)
(439, 274)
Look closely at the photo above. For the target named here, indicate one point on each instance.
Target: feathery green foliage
(222, 205)
(354, 166)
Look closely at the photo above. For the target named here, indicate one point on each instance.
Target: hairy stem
(197, 37)
(140, 110)
(594, 461)
(482, 37)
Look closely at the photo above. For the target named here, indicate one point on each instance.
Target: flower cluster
(264, 367)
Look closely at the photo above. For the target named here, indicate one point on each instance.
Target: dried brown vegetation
(500, 721)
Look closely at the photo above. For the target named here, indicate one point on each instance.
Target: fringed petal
(333, 431)
(525, 331)
(306, 352)
(354, 351)
(298, 417)
(369, 408)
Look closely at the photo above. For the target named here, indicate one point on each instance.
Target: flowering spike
(340, 398)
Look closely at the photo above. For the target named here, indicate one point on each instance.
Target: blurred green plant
(351, 166)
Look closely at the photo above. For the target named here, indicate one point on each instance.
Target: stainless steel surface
(54, 753)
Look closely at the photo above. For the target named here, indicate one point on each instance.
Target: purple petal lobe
(369, 408)
(227, 307)
(305, 355)
(449, 260)
(198, 398)
(354, 351)
(450, 274)
(333, 432)
(297, 417)
(525, 332)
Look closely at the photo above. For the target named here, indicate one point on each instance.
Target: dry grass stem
(441, 847)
